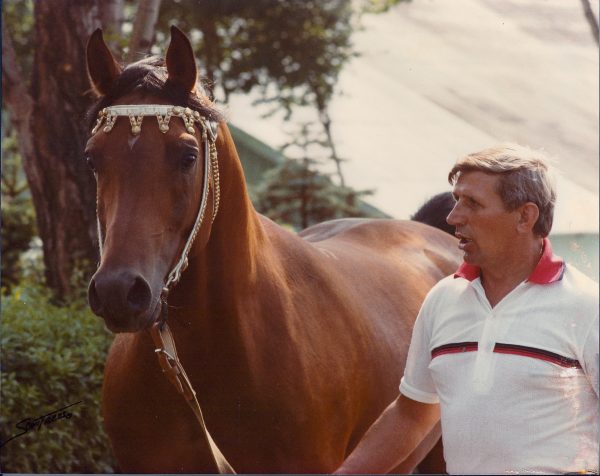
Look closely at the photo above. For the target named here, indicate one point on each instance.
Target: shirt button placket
(482, 371)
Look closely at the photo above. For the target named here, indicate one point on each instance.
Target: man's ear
(181, 64)
(528, 217)
(102, 67)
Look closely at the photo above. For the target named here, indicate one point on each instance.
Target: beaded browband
(136, 114)
(163, 114)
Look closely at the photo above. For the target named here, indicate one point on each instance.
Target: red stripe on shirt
(513, 349)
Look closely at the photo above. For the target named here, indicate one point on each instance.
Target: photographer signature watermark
(29, 424)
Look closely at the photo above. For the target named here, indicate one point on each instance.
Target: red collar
(549, 269)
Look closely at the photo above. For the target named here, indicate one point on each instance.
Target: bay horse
(294, 343)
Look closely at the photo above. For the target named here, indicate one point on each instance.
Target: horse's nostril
(139, 296)
(94, 299)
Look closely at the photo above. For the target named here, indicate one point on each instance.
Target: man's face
(486, 230)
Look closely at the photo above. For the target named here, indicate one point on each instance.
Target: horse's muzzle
(122, 298)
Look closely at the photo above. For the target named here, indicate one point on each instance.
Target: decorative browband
(136, 114)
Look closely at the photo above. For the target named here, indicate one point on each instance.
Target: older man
(506, 349)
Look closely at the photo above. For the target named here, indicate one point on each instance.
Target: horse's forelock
(150, 76)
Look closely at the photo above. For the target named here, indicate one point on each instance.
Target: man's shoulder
(579, 284)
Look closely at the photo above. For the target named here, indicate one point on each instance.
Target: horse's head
(153, 175)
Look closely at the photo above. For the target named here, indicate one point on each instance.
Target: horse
(294, 343)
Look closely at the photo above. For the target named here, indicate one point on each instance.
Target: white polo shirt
(518, 383)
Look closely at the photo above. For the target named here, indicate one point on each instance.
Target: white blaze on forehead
(131, 141)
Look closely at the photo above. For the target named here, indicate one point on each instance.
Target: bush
(52, 357)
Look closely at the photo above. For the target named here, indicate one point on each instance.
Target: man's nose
(454, 217)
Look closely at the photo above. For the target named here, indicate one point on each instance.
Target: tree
(48, 115)
(18, 219)
(591, 19)
(142, 37)
(295, 194)
(292, 51)
(47, 100)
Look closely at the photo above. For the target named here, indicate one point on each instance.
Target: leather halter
(160, 332)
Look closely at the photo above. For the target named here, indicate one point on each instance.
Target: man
(506, 350)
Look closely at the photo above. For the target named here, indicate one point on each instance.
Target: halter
(160, 332)
(163, 113)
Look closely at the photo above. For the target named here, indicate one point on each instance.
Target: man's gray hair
(524, 177)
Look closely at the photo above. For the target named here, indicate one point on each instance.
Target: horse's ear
(102, 67)
(181, 64)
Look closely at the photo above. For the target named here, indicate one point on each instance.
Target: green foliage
(380, 6)
(297, 195)
(52, 357)
(17, 17)
(18, 216)
(292, 50)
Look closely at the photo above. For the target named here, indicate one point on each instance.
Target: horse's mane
(150, 76)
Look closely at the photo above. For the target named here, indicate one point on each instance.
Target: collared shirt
(517, 383)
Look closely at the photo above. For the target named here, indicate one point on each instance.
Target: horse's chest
(147, 421)
(261, 428)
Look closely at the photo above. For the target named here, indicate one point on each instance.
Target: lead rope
(160, 332)
(175, 373)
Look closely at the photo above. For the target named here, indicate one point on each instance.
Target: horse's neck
(221, 275)
(230, 257)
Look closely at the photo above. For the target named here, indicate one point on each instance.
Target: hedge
(52, 357)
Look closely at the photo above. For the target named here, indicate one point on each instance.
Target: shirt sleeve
(417, 383)
(590, 355)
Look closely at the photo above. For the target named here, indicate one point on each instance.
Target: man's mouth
(463, 240)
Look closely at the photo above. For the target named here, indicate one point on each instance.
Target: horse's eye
(90, 161)
(188, 160)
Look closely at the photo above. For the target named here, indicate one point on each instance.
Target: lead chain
(215, 175)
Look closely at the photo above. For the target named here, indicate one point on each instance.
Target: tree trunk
(16, 97)
(142, 37)
(326, 122)
(591, 19)
(52, 128)
(111, 17)
(210, 55)
(62, 187)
